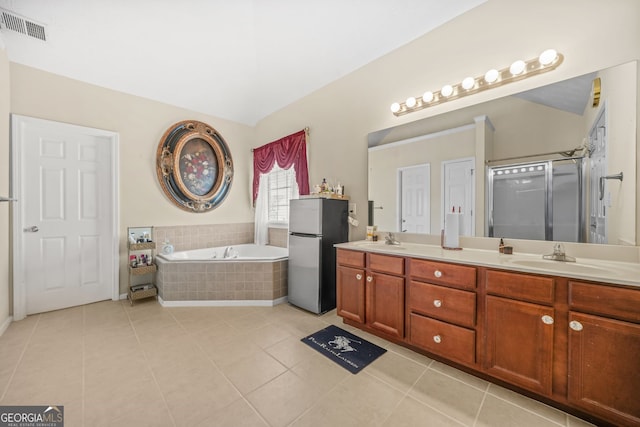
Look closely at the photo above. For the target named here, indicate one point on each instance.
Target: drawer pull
(575, 325)
(369, 279)
(437, 339)
(437, 303)
(359, 276)
(437, 273)
(547, 320)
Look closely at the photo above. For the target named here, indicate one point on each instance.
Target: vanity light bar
(518, 70)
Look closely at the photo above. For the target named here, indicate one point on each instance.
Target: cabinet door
(604, 372)
(350, 296)
(519, 343)
(385, 303)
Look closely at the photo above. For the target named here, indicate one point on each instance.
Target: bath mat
(347, 350)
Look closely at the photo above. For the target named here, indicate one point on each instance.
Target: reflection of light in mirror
(531, 169)
(499, 172)
(540, 168)
(523, 170)
(515, 171)
(507, 172)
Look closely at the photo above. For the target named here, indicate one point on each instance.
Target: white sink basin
(378, 244)
(571, 267)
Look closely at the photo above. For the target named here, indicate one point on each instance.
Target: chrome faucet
(227, 252)
(390, 239)
(559, 254)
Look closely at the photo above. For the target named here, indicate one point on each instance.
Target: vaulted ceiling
(235, 59)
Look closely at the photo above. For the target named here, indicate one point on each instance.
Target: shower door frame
(548, 209)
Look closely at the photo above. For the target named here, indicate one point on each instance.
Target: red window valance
(288, 151)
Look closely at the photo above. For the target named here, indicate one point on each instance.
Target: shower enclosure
(542, 200)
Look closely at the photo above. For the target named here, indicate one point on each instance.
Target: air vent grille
(14, 22)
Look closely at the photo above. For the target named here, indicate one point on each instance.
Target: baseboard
(5, 324)
(123, 296)
(223, 303)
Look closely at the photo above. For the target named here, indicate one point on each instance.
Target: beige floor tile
(395, 370)
(284, 399)
(267, 335)
(248, 322)
(320, 372)
(476, 382)
(416, 357)
(238, 414)
(363, 397)
(496, 412)
(577, 422)
(247, 374)
(290, 351)
(541, 409)
(448, 395)
(322, 415)
(411, 413)
(231, 351)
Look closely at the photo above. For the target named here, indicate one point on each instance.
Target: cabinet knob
(437, 273)
(437, 303)
(547, 320)
(575, 325)
(369, 278)
(359, 276)
(437, 339)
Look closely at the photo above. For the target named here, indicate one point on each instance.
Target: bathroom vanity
(567, 334)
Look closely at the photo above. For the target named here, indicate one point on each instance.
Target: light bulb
(468, 83)
(548, 56)
(517, 67)
(428, 96)
(410, 102)
(446, 90)
(491, 76)
(395, 107)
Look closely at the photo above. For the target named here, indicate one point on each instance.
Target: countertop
(622, 273)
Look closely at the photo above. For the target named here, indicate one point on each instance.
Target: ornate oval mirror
(194, 166)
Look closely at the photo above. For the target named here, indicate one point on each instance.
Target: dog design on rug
(343, 344)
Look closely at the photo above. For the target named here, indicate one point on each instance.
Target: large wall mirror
(552, 163)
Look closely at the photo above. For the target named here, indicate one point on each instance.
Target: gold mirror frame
(194, 166)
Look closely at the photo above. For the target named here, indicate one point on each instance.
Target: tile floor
(112, 364)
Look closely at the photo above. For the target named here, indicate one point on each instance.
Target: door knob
(32, 229)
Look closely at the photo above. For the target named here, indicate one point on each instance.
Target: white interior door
(414, 214)
(458, 191)
(65, 223)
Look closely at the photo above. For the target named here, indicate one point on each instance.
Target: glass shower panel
(567, 200)
(519, 202)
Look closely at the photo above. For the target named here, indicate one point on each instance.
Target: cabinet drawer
(620, 303)
(450, 341)
(452, 305)
(458, 276)
(386, 264)
(352, 258)
(521, 286)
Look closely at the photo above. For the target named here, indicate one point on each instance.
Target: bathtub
(251, 275)
(236, 253)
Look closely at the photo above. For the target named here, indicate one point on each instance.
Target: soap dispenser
(501, 246)
(167, 248)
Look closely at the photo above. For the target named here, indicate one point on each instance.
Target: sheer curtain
(287, 152)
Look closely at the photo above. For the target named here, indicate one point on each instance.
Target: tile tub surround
(222, 281)
(187, 237)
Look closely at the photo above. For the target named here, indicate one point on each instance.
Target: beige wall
(140, 124)
(342, 114)
(433, 150)
(5, 293)
(592, 34)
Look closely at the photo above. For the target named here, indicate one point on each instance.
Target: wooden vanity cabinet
(370, 291)
(519, 319)
(350, 285)
(441, 306)
(604, 351)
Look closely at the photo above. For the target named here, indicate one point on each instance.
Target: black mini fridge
(315, 225)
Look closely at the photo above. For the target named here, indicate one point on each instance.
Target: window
(282, 187)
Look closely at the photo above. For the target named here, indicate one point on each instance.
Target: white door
(458, 191)
(598, 168)
(65, 227)
(414, 214)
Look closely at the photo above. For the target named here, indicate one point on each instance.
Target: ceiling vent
(14, 22)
